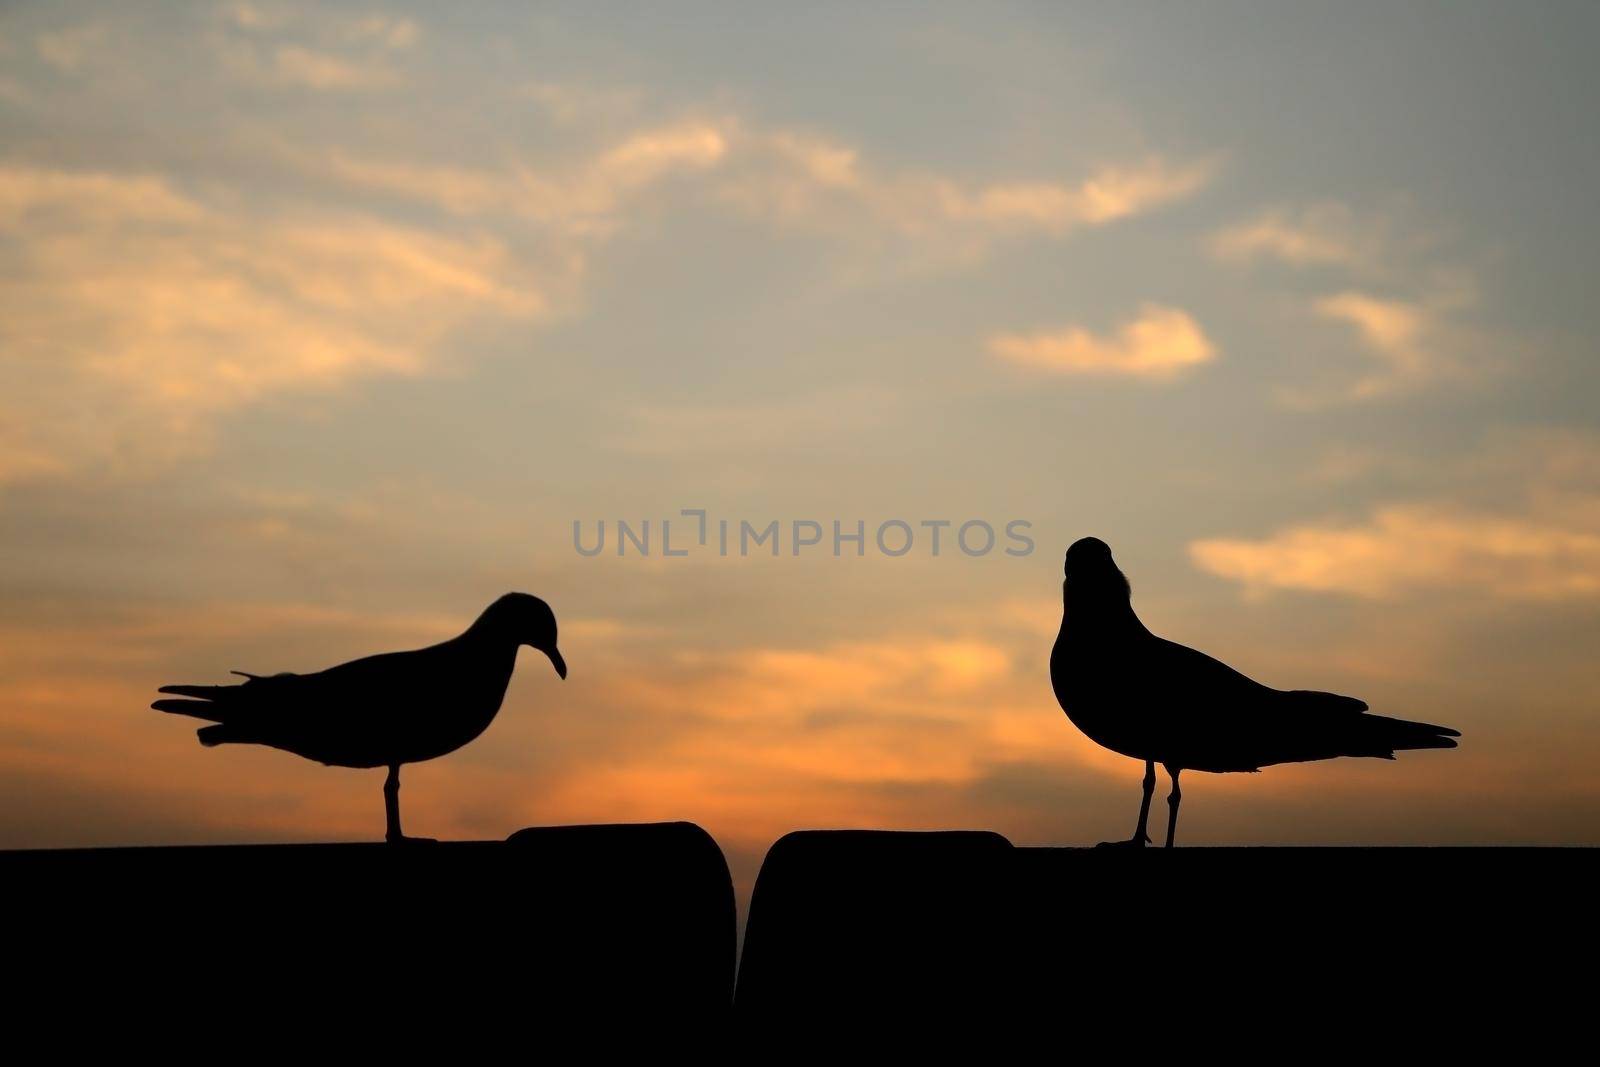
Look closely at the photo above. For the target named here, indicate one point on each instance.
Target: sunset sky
(321, 325)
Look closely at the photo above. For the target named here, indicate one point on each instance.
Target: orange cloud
(1414, 547)
(789, 177)
(71, 49)
(1417, 336)
(587, 200)
(152, 310)
(797, 179)
(1106, 196)
(1159, 346)
(573, 104)
(1322, 234)
(142, 313)
(1392, 329)
(275, 46)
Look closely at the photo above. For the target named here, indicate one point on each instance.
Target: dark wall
(1224, 948)
(625, 934)
(299, 944)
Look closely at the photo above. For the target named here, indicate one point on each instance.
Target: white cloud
(1160, 346)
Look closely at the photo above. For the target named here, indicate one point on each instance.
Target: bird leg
(1174, 798)
(391, 803)
(391, 808)
(1140, 836)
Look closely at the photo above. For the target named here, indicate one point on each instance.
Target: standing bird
(1158, 701)
(381, 711)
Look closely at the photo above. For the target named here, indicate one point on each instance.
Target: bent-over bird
(1161, 702)
(381, 711)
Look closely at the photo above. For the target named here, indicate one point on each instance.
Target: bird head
(1091, 573)
(527, 620)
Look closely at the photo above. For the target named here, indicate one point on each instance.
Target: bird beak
(555, 657)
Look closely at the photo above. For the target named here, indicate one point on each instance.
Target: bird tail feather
(229, 706)
(201, 692)
(235, 709)
(1401, 735)
(218, 703)
(1407, 734)
(212, 736)
(199, 709)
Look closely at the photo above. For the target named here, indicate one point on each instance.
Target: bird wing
(1217, 718)
(330, 715)
(1198, 680)
(385, 678)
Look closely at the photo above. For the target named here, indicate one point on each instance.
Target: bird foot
(1132, 842)
(402, 839)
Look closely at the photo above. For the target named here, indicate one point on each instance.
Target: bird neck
(492, 657)
(491, 641)
(1103, 613)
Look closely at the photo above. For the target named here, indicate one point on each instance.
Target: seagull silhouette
(1161, 702)
(381, 711)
